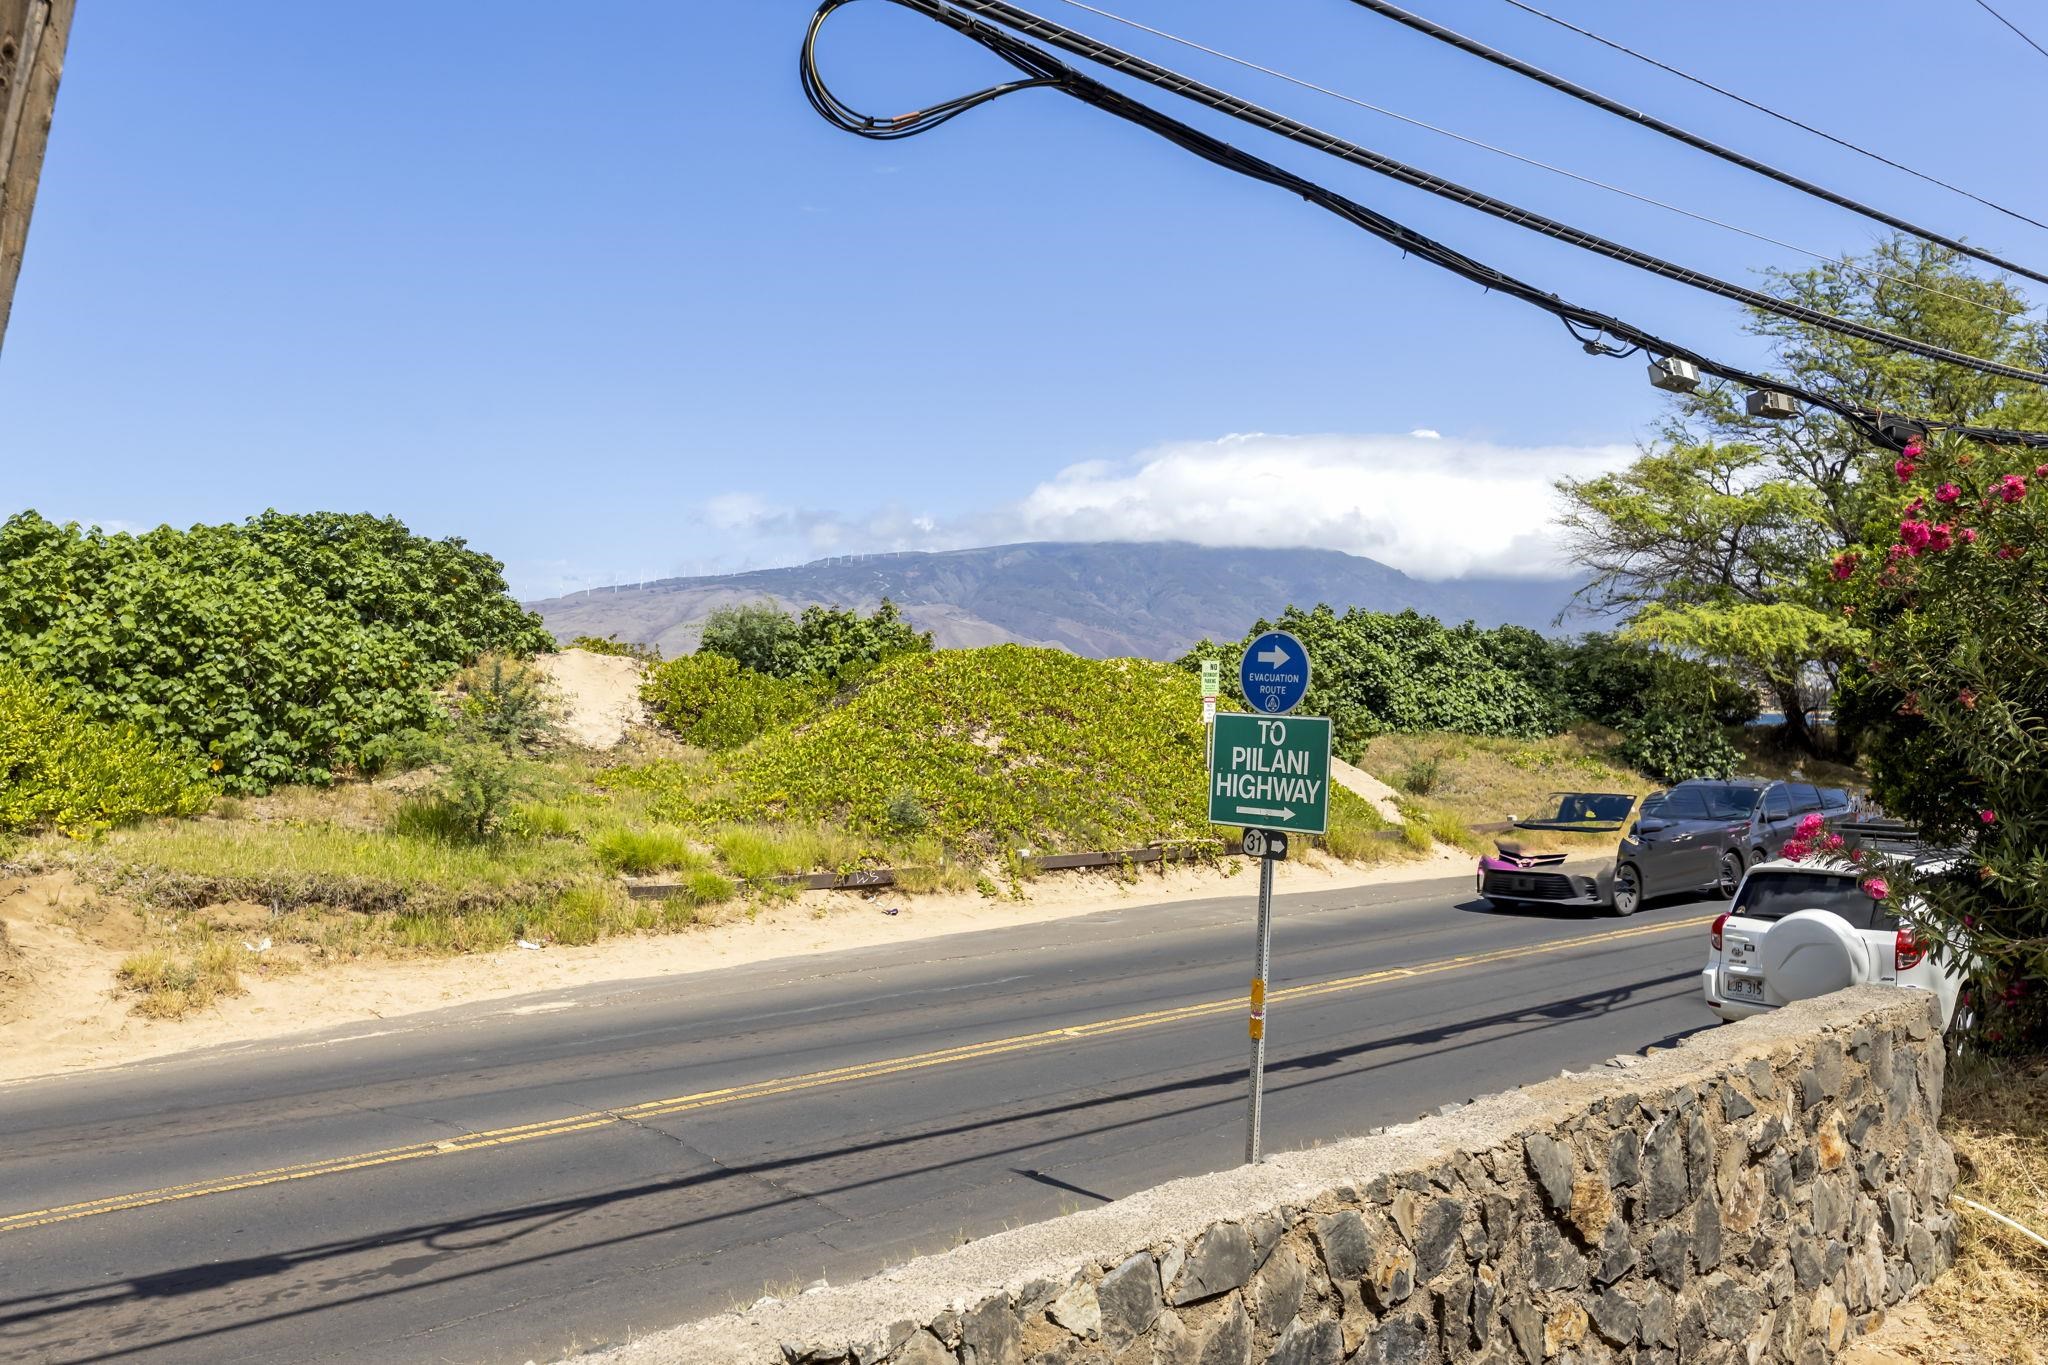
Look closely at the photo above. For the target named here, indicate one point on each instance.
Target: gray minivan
(1705, 833)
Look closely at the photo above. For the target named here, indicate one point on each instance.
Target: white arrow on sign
(1272, 656)
(1282, 814)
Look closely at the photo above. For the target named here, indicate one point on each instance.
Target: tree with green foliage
(823, 642)
(758, 636)
(287, 648)
(1713, 540)
(1374, 673)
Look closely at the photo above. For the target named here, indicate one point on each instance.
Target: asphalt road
(504, 1182)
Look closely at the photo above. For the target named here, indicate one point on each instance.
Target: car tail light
(1714, 934)
(1907, 950)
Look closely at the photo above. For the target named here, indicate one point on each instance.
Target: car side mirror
(1651, 824)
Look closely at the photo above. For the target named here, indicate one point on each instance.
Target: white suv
(1797, 930)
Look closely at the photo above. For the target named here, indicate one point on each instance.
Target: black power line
(1670, 130)
(1080, 44)
(1588, 326)
(2014, 27)
(1705, 84)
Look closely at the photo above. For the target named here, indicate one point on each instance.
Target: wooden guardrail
(874, 878)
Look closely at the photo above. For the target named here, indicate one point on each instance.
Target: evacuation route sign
(1270, 772)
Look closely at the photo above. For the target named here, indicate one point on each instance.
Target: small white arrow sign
(1272, 656)
(1282, 814)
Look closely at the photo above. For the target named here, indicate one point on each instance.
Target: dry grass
(190, 973)
(1486, 781)
(1764, 756)
(1996, 1297)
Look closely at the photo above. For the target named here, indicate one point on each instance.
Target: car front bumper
(1557, 884)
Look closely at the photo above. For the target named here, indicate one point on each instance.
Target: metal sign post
(1268, 849)
(1269, 775)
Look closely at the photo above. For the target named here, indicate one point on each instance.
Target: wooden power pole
(32, 38)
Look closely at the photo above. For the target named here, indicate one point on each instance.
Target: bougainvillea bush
(1952, 704)
(287, 648)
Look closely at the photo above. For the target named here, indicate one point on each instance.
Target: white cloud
(1431, 506)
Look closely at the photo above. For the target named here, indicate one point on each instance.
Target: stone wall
(1760, 1193)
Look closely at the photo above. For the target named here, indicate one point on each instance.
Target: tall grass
(637, 852)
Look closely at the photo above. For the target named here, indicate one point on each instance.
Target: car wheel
(1628, 890)
(1962, 1028)
(1731, 874)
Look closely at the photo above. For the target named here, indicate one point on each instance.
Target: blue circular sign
(1274, 673)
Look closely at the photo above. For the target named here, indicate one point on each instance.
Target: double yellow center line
(811, 1080)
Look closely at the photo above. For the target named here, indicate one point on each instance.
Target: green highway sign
(1270, 772)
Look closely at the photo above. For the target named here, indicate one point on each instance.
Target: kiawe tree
(1715, 540)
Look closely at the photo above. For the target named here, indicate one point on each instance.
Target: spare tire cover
(1810, 953)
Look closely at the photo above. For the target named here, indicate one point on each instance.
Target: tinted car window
(1777, 803)
(1684, 803)
(1805, 799)
(1724, 800)
(1774, 895)
(1834, 798)
(1584, 808)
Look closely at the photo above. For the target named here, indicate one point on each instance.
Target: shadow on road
(440, 1240)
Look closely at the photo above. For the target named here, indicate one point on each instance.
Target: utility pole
(32, 38)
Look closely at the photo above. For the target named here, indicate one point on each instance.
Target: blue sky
(608, 299)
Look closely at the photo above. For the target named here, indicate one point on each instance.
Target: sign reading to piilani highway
(1270, 772)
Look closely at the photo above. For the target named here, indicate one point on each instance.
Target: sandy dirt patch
(1362, 783)
(600, 695)
(1909, 1334)
(66, 1012)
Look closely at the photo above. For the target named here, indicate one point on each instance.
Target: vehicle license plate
(1741, 986)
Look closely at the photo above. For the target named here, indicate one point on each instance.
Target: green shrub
(637, 852)
(284, 649)
(471, 801)
(1421, 777)
(906, 814)
(61, 770)
(507, 700)
(711, 702)
(1675, 746)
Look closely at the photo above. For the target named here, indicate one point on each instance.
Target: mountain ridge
(1097, 598)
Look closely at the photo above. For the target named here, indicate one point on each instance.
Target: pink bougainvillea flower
(1915, 507)
(1904, 469)
(2008, 552)
(1938, 537)
(1855, 855)
(2012, 488)
(1810, 825)
(1877, 888)
(1989, 817)
(1911, 450)
(2041, 471)
(1915, 535)
(1795, 850)
(1948, 492)
(1844, 565)
(1832, 843)
(1968, 535)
